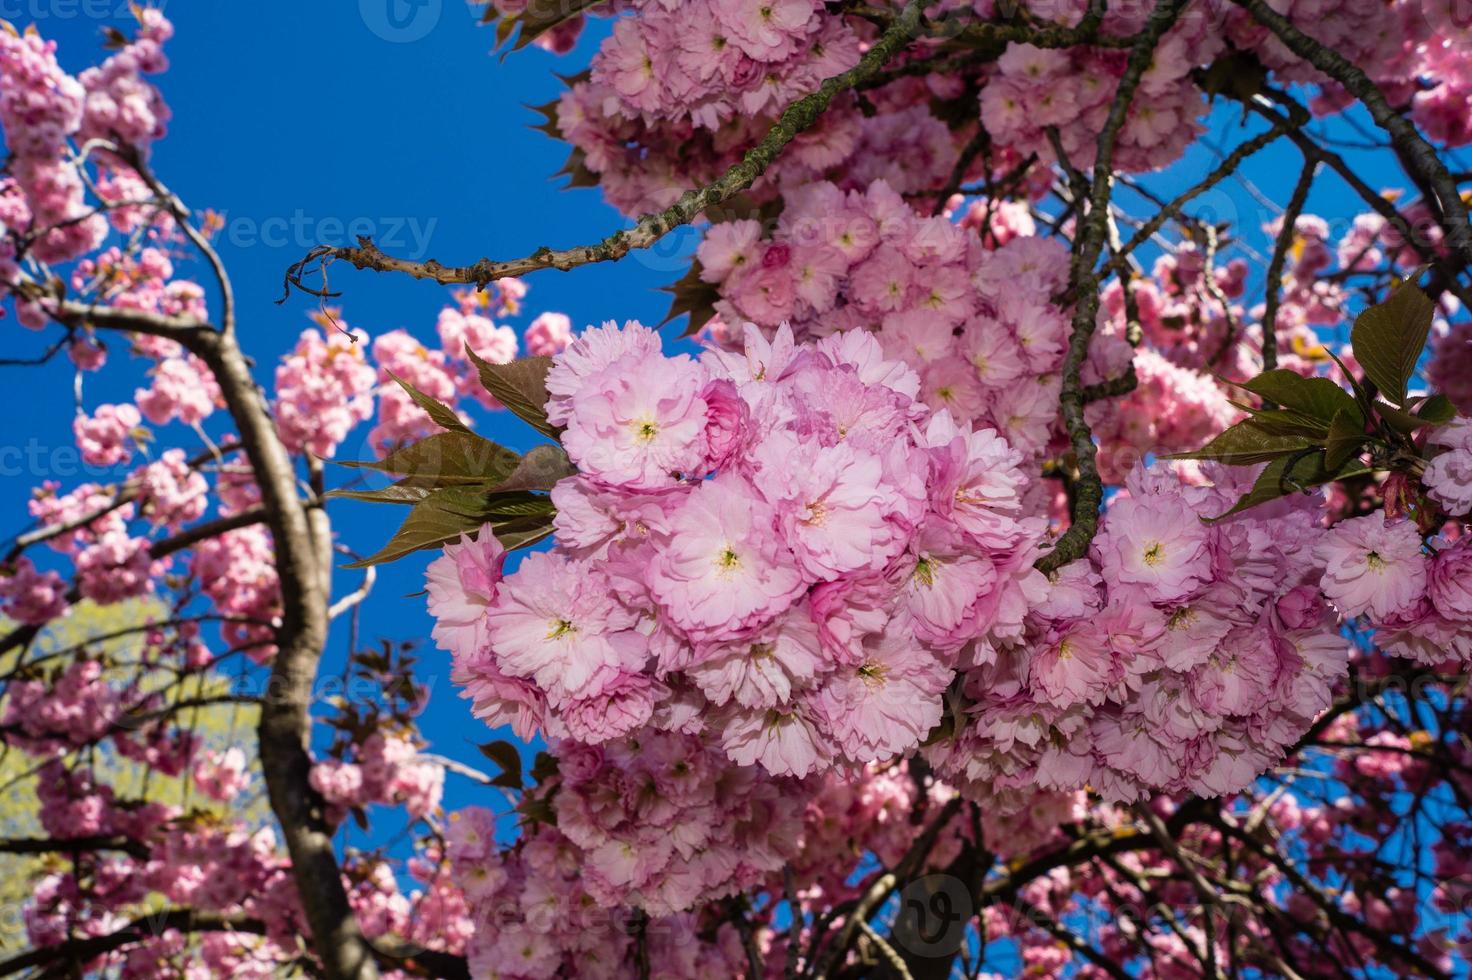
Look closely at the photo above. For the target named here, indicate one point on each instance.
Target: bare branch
(796, 118)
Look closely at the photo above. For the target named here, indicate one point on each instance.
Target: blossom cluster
(978, 327)
(665, 822)
(40, 110)
(1181, 657)
(535, 919)
(387, 770)
(1419, 605)
(708, 61)
(783, 542)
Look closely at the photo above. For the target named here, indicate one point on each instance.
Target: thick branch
(285, 724)
(68, 845)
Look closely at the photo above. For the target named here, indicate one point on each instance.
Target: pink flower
(722, 569)
(945, 589)
(108, 437)
(1156, 543)
(887, 703)
(975, 481)
(548, 334)
(555, 621)
(639, 423)
(832, 506)
(621, 706)
(784, 742)
(590, 352)
(221, 775)
(1448, 477)
(461, 583)
(1373, 567)
(32, 596)
(765, 670)
(1450, 581)
(497, 699)
(1074, 668)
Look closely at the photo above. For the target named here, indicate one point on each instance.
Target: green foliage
(507, 760)
(1311, 432)
(521, 386)
(455, 481)
(1388, 339)
(537, 18)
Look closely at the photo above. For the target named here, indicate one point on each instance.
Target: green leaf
(446, 459)
(1402, 421)
(536, 19)
(544, 767)
(507, 759)
(1246, 443)
(398, 493)
(509, 505)
(1388, 339)
(521, 386)
(522, 532)
(440, 518)
(1438, 410)
(1285, 422)
(1346, 436)
(441, 414)
(1282, 476)
(1317, 398)
(540, 469)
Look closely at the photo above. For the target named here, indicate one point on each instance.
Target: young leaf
(398, 493)
(537, 18)
(1286, 422)
(1246, 443)
(507, 759)
(540, 469)
(522, 532)
(521, 386)
(503, 506)
(1407, 422)
(1437, 410)
(1388, 339)
(440, 518)
(440, 414)
(1282, 476)
(692, 295)
(446, 459)
(1317, 398)
(1346, 436)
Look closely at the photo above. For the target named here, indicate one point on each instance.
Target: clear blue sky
(301, 120)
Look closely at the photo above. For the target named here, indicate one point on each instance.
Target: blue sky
(299, 121)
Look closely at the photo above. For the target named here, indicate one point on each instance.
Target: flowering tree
(967, 597)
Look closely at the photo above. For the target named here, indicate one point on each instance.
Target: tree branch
(1418, 153)
(1084, 288)
(796, 118)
